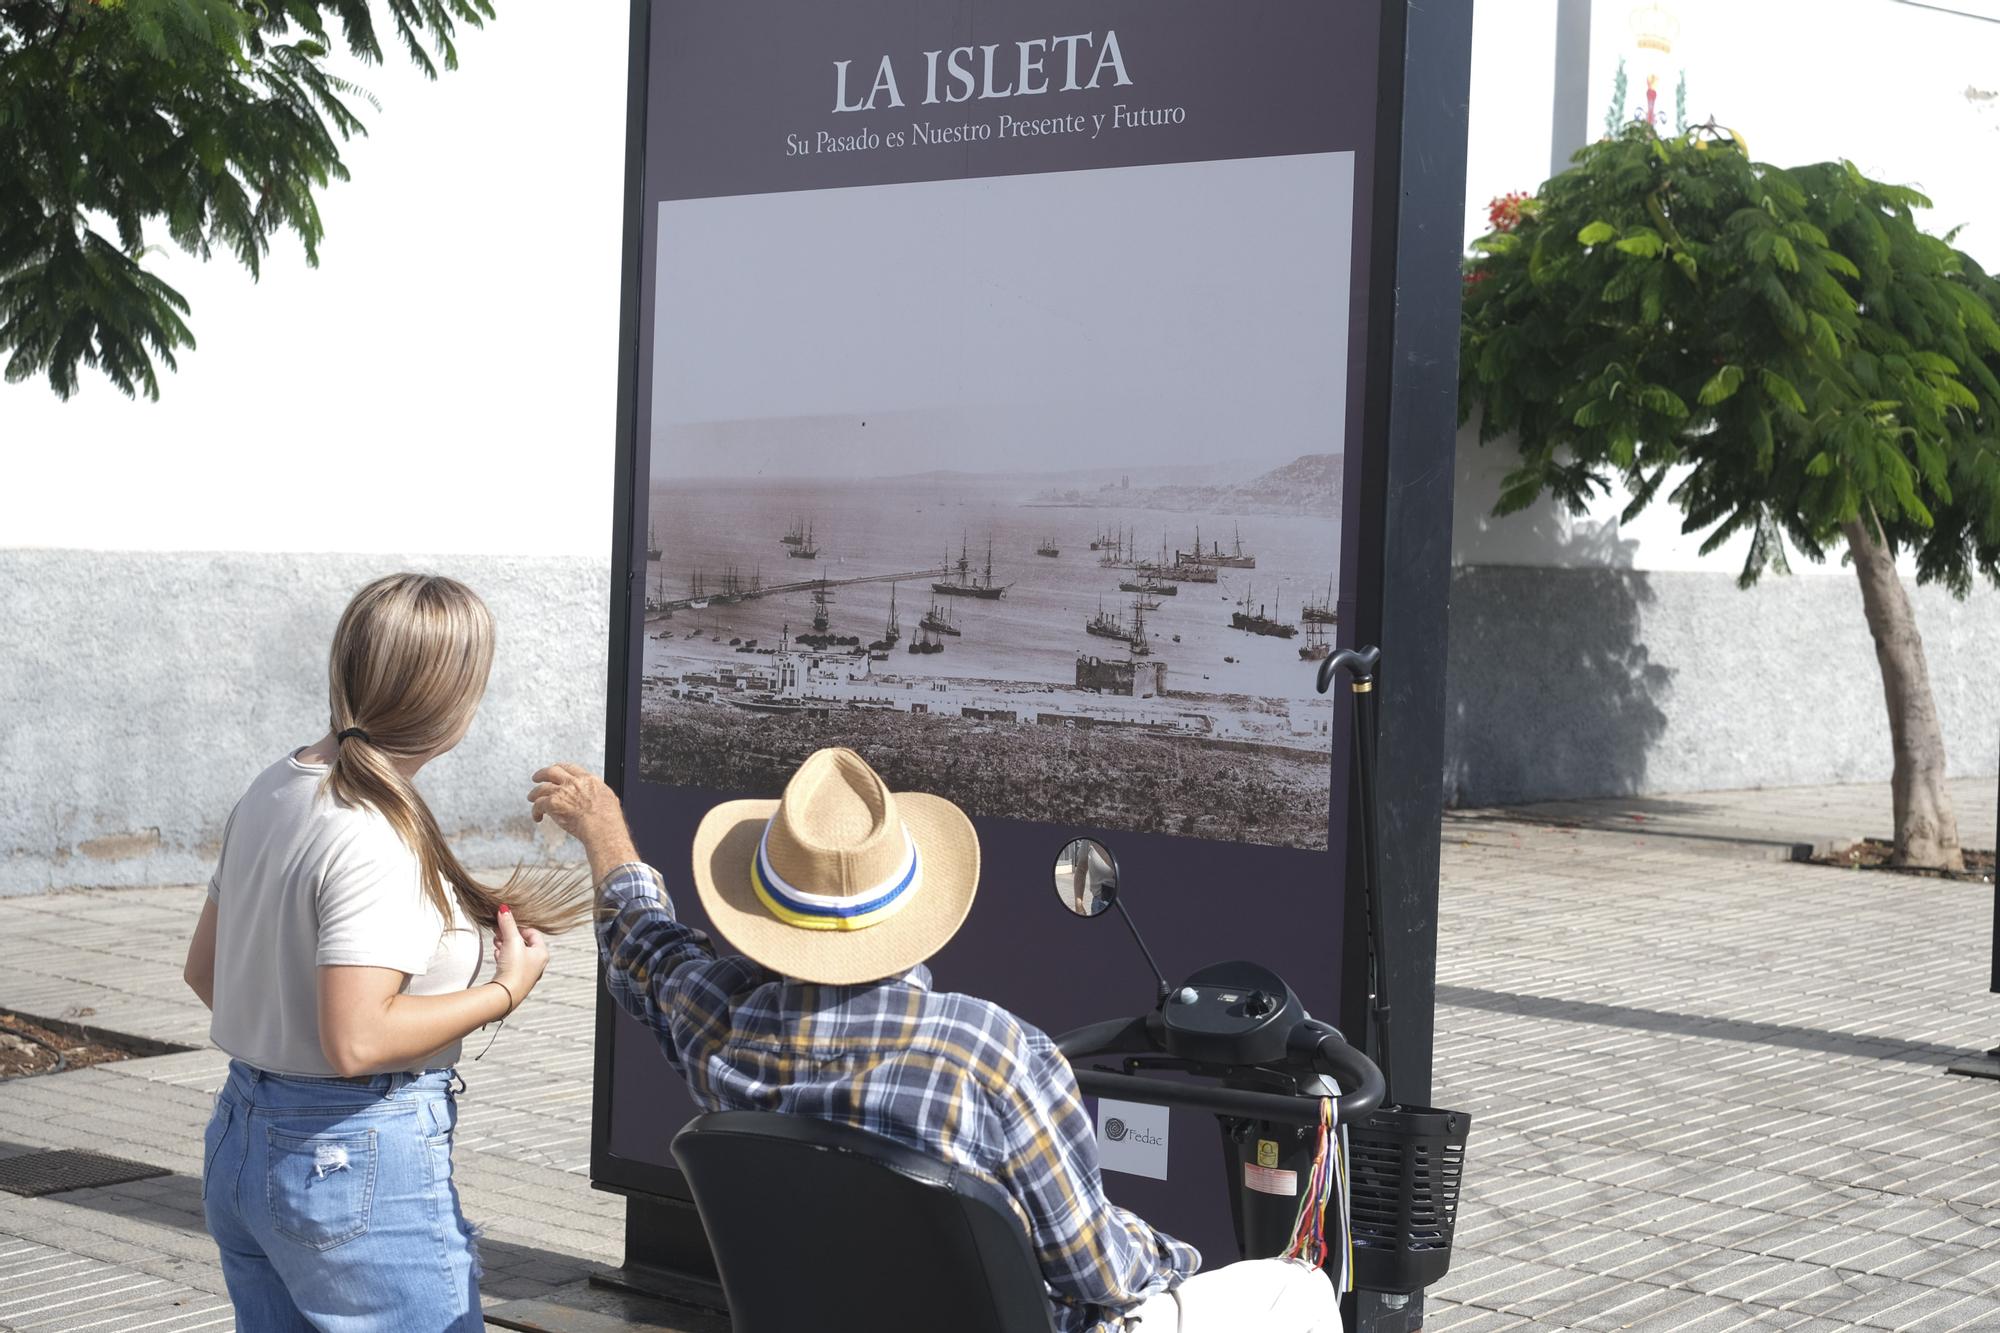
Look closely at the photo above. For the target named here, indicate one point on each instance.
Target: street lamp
(1654, 28)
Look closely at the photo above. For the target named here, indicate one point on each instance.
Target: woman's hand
(519, 957)
(583, 807)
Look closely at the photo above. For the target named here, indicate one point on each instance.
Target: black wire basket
(1404, 1168)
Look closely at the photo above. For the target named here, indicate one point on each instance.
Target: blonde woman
(340, 951)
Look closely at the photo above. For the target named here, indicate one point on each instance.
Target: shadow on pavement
(1698, 1025)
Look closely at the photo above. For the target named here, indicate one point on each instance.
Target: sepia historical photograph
(1049, 553)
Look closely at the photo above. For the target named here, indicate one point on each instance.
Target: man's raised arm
(655, 964)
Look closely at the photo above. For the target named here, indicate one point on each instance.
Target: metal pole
(1570, 129)
(1987, 1065)
(1364, 698)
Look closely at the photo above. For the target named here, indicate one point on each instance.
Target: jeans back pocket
(321, 1186)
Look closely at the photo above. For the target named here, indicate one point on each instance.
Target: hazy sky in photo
(1162, 315)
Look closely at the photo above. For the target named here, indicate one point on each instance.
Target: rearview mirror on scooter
(1086, 877)
(1087, 885)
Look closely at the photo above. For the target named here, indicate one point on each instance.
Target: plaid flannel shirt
(950, 1075)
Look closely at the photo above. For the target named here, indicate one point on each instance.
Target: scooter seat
(816, 1225)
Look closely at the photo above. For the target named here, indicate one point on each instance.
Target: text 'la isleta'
(1031, 67)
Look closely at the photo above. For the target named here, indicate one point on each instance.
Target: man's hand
(583, 807)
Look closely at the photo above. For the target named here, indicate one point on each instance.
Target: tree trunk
(1926, 824)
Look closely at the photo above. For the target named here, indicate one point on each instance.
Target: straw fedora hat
(841, 880)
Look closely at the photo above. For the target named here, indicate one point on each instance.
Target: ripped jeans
(333, 1204)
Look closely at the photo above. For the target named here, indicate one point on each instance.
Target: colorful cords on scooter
(1329, 1174)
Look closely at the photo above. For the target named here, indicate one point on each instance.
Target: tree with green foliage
(1790, 349)
(211, 122)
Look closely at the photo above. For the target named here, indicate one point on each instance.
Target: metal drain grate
(57, 1171)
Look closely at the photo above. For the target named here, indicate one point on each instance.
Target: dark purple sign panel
(1000, 371)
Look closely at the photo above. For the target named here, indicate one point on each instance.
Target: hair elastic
(354, 731)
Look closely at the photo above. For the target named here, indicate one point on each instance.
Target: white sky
(1040, 322)
(444, 382)
(1876, 81)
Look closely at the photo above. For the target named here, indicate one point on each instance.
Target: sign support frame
(1403, 544)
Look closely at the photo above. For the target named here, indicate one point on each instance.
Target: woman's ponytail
(406, 674)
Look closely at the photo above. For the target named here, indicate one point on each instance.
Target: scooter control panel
(1230, 1014)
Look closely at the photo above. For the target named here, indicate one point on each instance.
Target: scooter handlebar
(1359, 1077)
(1322, 1047)
(1203, 1097)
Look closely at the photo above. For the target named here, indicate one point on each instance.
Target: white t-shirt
(306, 882)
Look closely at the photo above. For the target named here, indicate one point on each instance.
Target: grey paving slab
(44, 1289)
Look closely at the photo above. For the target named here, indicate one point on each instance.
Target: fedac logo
(1132, 1137)
(1119, 1132)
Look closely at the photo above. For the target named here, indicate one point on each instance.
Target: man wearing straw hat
(835, 895)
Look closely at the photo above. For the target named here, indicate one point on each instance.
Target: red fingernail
(505, 908)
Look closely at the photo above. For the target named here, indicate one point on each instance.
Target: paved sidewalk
(138, 1254)
(1709, 1093)
(1697, 1106)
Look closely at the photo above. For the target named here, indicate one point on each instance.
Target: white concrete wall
(141, 693)
(1591, 657)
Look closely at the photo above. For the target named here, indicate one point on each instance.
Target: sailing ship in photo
(1193, 566)
(1315, 648)
(1237, 559)
(653, 551)
(1257, 622)
(1320, 611)
(1120, 551)
(1106, 624)
(1150, 585)
(963, 583)
(892, 633)
(657, 602)
(1140, 645)
(938, 620)
(1152, 580)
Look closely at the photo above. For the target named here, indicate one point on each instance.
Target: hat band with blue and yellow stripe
(818, 911)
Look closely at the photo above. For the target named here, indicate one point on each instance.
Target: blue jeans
(333, 1204)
